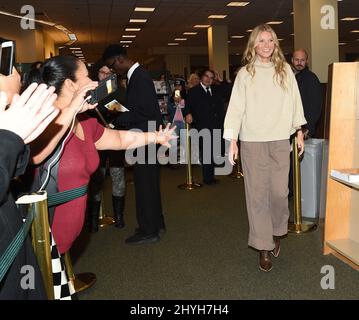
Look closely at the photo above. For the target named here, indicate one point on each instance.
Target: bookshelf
(341, 230)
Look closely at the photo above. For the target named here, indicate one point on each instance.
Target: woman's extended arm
(42, 147)
(119, 139)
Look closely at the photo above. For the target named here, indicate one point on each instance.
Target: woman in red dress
(79, 157)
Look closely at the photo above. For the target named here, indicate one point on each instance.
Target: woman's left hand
(163, 137)
(300, 141)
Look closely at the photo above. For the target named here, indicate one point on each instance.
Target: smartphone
(104, 89)
(177, 94)
(7, 57)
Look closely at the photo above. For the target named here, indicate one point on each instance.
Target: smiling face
(264, 46)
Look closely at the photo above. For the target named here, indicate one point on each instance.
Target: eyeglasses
(105, 73)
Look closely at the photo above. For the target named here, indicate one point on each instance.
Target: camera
(104, 89)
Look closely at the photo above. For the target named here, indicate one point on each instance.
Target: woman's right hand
(233, 152)
(78, 103)
(29, 114)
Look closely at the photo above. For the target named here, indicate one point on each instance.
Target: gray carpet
(204, 253)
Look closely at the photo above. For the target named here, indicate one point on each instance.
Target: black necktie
(208, 92)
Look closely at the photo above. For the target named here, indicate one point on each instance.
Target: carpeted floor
(204, 253)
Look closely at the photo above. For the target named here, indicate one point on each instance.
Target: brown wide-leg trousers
(266, 169)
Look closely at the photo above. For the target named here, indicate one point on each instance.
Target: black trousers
(148, 198)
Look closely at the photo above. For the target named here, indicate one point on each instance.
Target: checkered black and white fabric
(63, 288)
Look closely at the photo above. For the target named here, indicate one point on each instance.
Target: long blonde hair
(278, 59)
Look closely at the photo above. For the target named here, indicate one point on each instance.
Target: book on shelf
(348, 175)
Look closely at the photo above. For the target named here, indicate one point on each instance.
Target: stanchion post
(189, 185)
(298, 226)
(80, 281)
(41, 242)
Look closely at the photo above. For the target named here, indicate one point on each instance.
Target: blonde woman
(264, 110)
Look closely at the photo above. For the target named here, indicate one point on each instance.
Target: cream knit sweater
(260, 109)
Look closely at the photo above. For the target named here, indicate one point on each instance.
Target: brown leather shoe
(275, 252)
(265, 262)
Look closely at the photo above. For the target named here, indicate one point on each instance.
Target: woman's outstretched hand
(164, 136)
(30, 113)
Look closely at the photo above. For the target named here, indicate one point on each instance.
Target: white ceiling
(97, 23)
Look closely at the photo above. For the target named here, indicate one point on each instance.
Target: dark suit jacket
(311, 94)
(13, 161)
(141, 100)
(207, 112)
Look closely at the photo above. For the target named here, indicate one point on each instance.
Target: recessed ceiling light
(138, 20)
(144, 9)
(229, 41)
(355, 31)
(280, 39)
(128, 36)
(237, 4)
(75, 48)
(126, 41)
(126, 46)
(201, 26)
(217, 16)
(173, 44)
(274, 22)
(133, 29)
(180, 39)
(190, 33)
(342, 43)
(249, 30)
(349, 19)
(237, 37)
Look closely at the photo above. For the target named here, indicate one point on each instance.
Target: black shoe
(140, 238)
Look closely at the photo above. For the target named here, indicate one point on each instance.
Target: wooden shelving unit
(341, 236)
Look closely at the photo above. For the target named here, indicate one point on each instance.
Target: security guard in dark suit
(205, 107)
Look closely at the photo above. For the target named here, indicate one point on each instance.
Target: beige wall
(176, 63)
(321, 44)
(218, 48)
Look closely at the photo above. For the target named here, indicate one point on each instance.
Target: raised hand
(30, 113)
(163, 137)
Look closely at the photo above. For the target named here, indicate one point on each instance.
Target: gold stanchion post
(103, 219)
(189, 185)
(298, 226)
(81, 281)
(40, 233)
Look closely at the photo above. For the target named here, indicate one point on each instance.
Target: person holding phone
(79, 158)
(21, 123)
(264, 110)
(115, 159)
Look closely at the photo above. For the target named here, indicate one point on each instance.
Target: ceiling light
(138, 20)
(355, 31)
(237, 37)
(201, 26)
(173, 44)
(126, 46)
(75, 48)
(349, 19)
(217, 16)
(180, 39)
(133, 29)
(128, 36)
(190, 33)
(249, 30)
(144, 9)
(280, 39)
(126, 41)
(237, 4)
(275, 22)
(342, 43)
